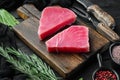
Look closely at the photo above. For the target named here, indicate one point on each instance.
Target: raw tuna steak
(53, 19)
(74, 39)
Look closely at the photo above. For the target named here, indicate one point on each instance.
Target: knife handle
(102, 16)
(107, 32)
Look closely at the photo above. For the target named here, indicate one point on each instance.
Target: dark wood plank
(63, 63)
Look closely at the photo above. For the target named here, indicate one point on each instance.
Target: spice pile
(105, 75)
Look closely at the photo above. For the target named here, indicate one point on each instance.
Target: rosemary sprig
(31, 65)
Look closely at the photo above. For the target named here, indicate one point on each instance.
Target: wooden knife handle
(107, 32)
(102, 16)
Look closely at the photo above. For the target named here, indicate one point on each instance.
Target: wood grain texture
(31, 8)
(63, 63)
(28, 10)
(107, 32)
(101, 15)
(22, 10)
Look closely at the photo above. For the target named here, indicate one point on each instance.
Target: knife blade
(100, 14)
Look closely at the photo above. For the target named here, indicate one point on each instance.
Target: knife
(99, 26)
(101, 15)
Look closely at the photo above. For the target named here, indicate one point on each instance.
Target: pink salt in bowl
(114, 51)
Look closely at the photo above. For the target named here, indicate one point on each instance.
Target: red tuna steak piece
(53, 19)
(74, 39)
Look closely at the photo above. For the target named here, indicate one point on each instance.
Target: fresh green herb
(7, 19)
(31, 65)
(81, 79)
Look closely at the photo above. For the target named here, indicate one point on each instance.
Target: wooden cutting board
(64, 64)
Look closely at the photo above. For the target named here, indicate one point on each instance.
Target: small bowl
(105, 69)
(114, 58)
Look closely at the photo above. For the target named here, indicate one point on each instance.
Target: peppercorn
(105, 75)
